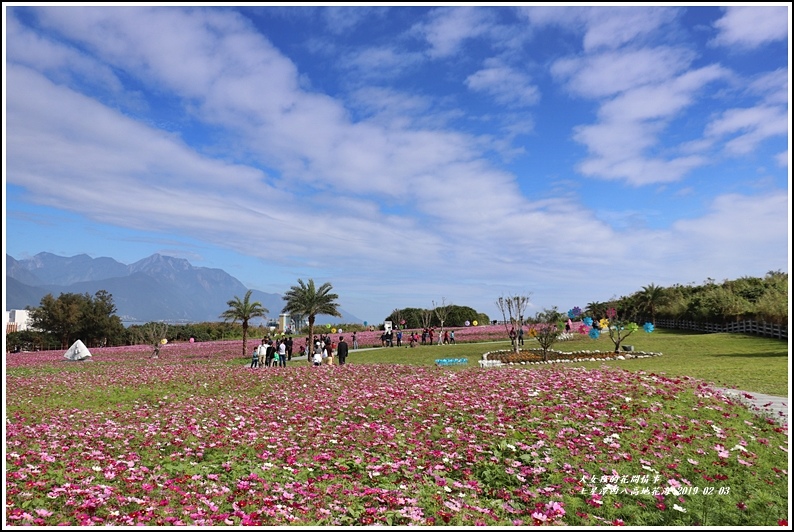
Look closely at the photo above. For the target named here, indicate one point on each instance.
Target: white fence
(745, 326)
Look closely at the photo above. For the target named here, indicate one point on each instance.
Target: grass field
(736, 361)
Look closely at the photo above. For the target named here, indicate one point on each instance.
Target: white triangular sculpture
(78, 351)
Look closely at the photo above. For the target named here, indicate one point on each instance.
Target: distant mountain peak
(156, 288)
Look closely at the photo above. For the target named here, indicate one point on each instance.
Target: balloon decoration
(339, 330)
(333, 330)
(365, 324)
(474, 323)
(327, 325)
(648, 327)
(467, 323)
(163, 341)
(192, 339)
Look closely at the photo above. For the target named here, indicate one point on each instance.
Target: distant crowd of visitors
(320, 350)
(272, 353)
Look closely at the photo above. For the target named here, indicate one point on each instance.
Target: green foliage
(78, 316)
(243, 311)
(307, 300)
(454, 316)
(747, 298)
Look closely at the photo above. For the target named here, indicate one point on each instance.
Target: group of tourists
(271, 353)
(324, 349)
(429, 333)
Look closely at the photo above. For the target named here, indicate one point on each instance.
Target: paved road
(777, 406)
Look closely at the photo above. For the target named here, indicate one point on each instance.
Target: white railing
(745, 326)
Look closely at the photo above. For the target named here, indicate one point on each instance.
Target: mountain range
(157, 288)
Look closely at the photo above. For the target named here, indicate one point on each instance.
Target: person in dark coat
(341, 350)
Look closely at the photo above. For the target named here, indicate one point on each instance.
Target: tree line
(763, 299)
(58, 322)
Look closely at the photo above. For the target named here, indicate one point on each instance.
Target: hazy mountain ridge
(152, 289)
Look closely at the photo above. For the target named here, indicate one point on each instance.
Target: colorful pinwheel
(648, 327)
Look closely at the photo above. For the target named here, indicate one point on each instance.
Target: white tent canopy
(78, 351)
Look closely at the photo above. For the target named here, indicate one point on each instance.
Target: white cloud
(754, 125)
(609, 73)
(448, 28)
(379, 63)
(752, 26)
(614, 27)
(772, 87)
(604, 27)
(507, 85)
(783, 160)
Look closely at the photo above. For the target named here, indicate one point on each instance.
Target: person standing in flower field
(255, 357)
(282, 354)
(521, 335)
(317, 357)
(341, 350)
(355, 340)
(270, 351)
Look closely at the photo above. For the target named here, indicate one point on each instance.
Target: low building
(17, 320)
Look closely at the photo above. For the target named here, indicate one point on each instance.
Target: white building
(17, 320)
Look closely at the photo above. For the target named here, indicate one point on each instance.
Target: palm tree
(650, 297)
(596, 310)
(244, 311)
(306, 300)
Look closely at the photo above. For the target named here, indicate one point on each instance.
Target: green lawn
(740, 361)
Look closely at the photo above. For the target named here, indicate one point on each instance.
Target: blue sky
(406, 155)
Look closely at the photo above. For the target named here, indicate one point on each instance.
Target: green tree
(60, 316)
(651, 298)
(545, 330)
(72, 316)
(243, 311)
(99, 325)
(307, 300)
(596, 310)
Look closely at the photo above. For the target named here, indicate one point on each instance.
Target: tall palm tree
(596, 310)
(650, 297)
(306, 300)
(244, 311)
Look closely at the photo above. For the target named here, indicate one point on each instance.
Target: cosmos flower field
(196, 437)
